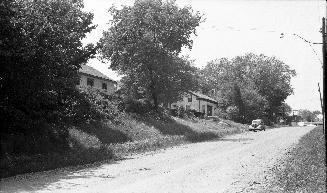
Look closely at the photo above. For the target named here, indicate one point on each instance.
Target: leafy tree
(307, 115)
(41, 52)
(143, 44)
(316, 112)
(272, 79)
(256, 84)
(284, 110)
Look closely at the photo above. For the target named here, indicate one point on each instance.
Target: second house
(197, 102)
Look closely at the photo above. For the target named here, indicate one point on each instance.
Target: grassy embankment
(108, 141)
(304, 169)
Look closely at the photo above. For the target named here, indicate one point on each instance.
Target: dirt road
(238, 163)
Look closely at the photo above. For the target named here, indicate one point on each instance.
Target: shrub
(140, 106)
(99, 106)
(232, 113)
(181, 112)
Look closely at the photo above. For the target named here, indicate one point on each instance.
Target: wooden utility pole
(324, 53)
(322, 107)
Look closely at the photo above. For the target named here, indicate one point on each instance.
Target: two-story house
(95, 79)
(198, 102)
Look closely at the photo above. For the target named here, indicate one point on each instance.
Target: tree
(316, 112)
(143, 44)
(256, 84)
(272, 79)
(41, 52)
(307, 115)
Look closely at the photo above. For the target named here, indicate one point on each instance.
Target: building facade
(90, 77)
(197, 102)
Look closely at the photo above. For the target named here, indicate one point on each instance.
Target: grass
(304, 170)
(107, 141)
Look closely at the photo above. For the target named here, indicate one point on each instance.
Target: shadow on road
(42, 181)
(236, 140)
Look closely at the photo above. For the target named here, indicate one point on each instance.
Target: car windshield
(256, 122)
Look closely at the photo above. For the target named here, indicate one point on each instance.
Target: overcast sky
(234, 28)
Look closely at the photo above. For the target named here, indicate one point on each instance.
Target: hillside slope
(98, 141)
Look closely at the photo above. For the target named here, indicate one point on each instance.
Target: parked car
(257, 124)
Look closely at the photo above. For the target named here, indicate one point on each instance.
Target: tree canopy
(143, 44)
(308, 115)
(257, 85)
(40, 53)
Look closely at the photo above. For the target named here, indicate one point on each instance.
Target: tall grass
(304, 170)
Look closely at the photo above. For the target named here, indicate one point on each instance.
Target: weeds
(304, 170)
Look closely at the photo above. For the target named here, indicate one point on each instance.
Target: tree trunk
(155, 100)
(239, 102)
(154, 95)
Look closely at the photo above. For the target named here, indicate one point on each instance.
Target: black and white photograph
(162, 96)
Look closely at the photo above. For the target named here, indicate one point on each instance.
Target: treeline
(309, 116)
(144, 43)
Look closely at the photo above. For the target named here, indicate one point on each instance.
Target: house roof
(202, 96)
(85, 69)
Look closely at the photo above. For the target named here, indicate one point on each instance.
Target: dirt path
(238, 163)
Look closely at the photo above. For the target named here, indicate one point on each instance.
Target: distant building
(197, 102)
(91, 77)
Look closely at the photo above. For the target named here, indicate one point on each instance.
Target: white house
(198, 102)
(94, 78)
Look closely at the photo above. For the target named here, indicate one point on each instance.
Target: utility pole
(324, 52)
(322, 107)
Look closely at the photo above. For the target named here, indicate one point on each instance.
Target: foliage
(316, 112)
(233, 113)
(304, 169)
(107, 141)
(41, 52)
(141, 107)
(256, 84)
(308, 115)
(97, 106)
(143, 44)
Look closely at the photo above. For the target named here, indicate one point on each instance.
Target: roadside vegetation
(304, 169)
(111, 139)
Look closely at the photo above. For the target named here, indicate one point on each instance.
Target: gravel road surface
(237, 163)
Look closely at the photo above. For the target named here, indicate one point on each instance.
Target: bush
(220, 113)
(98, 106)
(182, 113)
(140, 106)
(232, 113)
(199, 114)
(39, 135)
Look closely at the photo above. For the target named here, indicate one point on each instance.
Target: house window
(203, 109)
(90, 82)
(188, 107)
(104, 86)
(189, 99)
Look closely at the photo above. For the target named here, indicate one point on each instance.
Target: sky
(236, 27)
